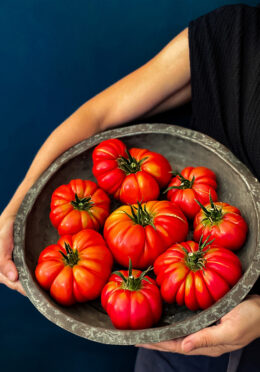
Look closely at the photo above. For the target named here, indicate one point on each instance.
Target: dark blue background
(55, 55)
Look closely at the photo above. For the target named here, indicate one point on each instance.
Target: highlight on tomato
(191, 184)
(132, 299)
(79, 205)
(76, 268)
(223, 223)
(196, 275)
(142, 232)
(130, 176)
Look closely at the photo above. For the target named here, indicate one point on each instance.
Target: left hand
(235, 330)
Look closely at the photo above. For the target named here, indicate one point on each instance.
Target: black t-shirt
(225, 80)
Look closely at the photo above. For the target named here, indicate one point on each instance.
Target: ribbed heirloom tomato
(196, 275)
(142, 232)
(223, 223)
(132, 300)
(191, 184)
(76, 268)
(79, 205)
(131, 176)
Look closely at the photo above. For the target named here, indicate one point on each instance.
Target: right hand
(8, 270)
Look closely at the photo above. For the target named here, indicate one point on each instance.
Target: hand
(235, 330)
(8, 271)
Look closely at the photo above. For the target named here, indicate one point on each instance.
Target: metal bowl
(182, 147)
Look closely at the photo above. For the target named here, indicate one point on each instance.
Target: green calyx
(129, 165)
(140, 215)
(185, 183)
(71, 257)
(82, 204)
(213, 214)
(195, 260)
(131, 283)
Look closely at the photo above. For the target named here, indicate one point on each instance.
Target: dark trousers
(243, 360)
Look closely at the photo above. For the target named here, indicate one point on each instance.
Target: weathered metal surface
(182, 147)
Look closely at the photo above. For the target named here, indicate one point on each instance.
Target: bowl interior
(181, 152)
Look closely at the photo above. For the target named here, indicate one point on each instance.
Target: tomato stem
(140, 215)
(185, 183)
(195, 260)
(213, 214)
(129, 165)
(71, 257)
(132, 283)
(83, 204)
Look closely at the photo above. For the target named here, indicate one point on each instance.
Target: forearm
(157, 85)
(81, 124)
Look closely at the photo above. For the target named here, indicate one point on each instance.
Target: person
(216, 63)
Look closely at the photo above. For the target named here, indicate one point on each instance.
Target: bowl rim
(130, 337)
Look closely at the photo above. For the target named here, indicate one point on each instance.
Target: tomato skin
(81, 282)
(138, 186)
(196, 289)
(132, 309)
(127, 239)
(105, 165)
(69, 220)
(230, 232)
(142, 184)
(204, 185)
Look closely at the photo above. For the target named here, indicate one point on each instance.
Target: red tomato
(142, 232)
(78, 205)
(223, 223)
(76, 268)
(131, 176)
(189, 185)
(132, 300)
(196, 276)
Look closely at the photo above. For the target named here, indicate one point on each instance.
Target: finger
(7, 266)
(173, 346)
(12, 285)
(207, 337)
(150, 347)
(9, 270)
(213, 351)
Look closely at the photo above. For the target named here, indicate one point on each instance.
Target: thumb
(7, 267)
(9, 270)
(205, 338)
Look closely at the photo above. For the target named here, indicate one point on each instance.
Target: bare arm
(160, 84)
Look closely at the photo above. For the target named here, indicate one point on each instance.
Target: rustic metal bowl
(182, 147)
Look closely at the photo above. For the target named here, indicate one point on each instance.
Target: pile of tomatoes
(144, 233)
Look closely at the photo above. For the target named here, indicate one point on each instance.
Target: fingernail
(11, 276)
(187, 347)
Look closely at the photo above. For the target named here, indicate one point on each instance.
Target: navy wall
(56, 54)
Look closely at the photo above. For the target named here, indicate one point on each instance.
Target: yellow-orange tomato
(76, 268)
(79, 205)
(142, 232)
(196, 275)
